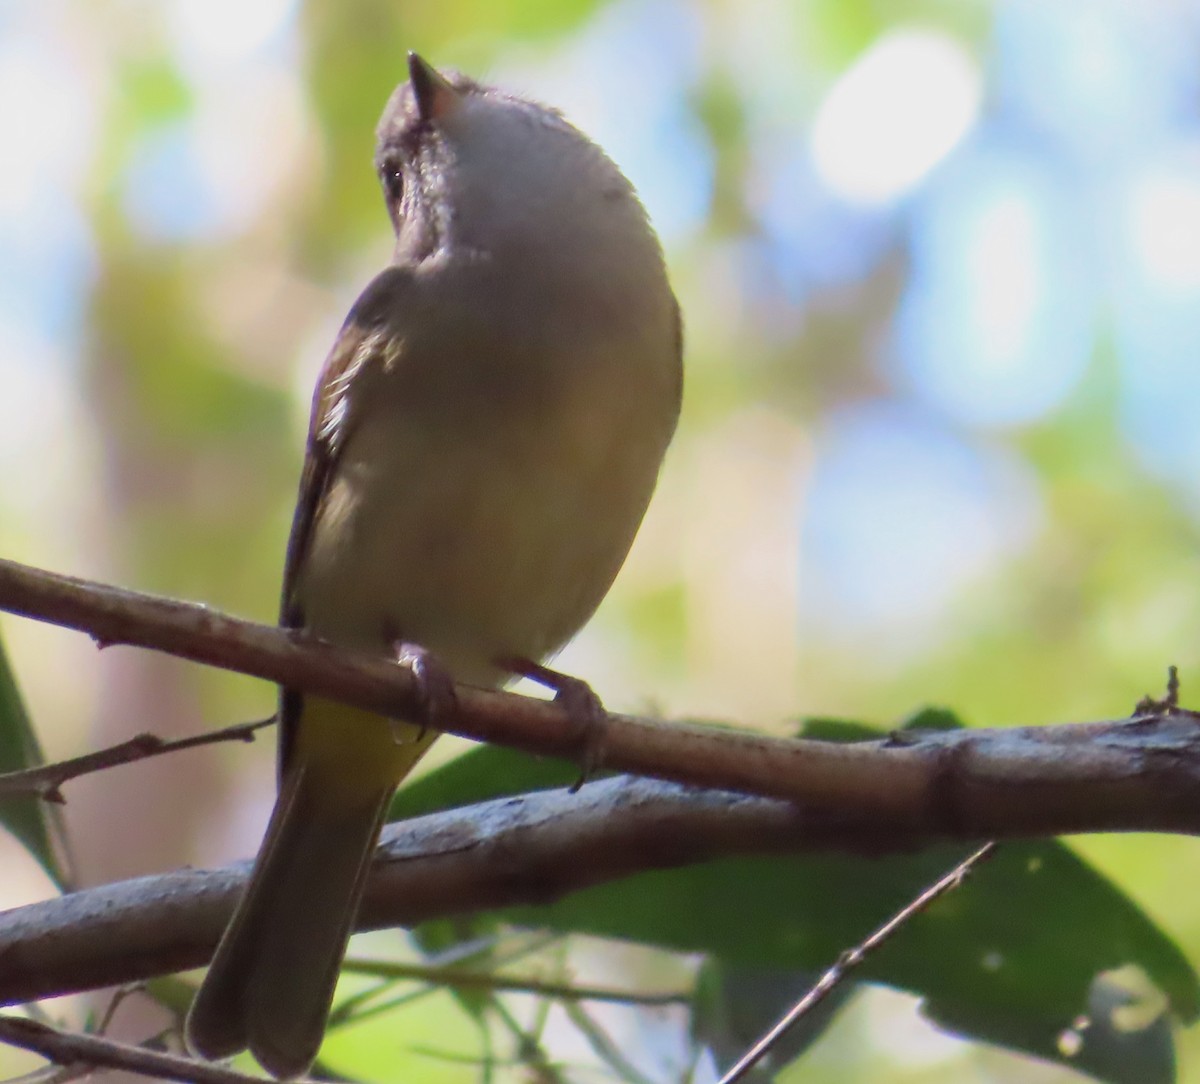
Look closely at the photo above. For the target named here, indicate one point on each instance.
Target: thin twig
(1152, 706)
(479, 980)
(44, 781)
(50, 1074)
(604, 1046)
(120, 995)
(352, 1008)
(852, 959)
(68, 1048)
(530, 1053)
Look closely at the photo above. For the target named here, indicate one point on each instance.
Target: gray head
(469, 171)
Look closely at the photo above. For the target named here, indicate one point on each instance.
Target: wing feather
(370, 336)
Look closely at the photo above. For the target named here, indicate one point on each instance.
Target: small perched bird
(485, 436)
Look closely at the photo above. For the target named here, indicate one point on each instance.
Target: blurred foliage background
(940, 268)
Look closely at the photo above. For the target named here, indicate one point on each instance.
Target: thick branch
(1048, 780)
(507, 852)
(907, 791)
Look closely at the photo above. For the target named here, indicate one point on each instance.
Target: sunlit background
(940, 269)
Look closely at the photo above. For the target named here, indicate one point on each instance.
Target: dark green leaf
(35, 822)
(1124, 1036)
(480, 774)
(1011, 957)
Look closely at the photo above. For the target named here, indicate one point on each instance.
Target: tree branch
(906, 791)
(513, 851)
(45, 782)
(68, 1048)
(1110, 776)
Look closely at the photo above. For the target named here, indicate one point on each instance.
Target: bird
(485, 437)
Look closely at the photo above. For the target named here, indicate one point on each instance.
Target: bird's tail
(271, 982)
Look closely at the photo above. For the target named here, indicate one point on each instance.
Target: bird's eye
(393, 183)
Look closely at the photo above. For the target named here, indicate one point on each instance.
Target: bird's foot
(436, 697)
(583, 707)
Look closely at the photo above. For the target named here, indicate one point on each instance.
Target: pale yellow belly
(476, 545)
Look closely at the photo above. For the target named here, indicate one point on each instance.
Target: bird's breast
(482, 505)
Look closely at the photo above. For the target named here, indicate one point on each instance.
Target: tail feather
(272, 979)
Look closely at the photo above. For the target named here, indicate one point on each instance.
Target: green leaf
(36, 823)
(1015, 956)
(1125, 1036)
(1011, 956)
(482, 773)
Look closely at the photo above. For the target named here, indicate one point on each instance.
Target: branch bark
(1138, 775)
(513, 851)
(910, 790)
(526, 850)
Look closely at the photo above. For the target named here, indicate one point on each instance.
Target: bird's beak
(436, 98)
